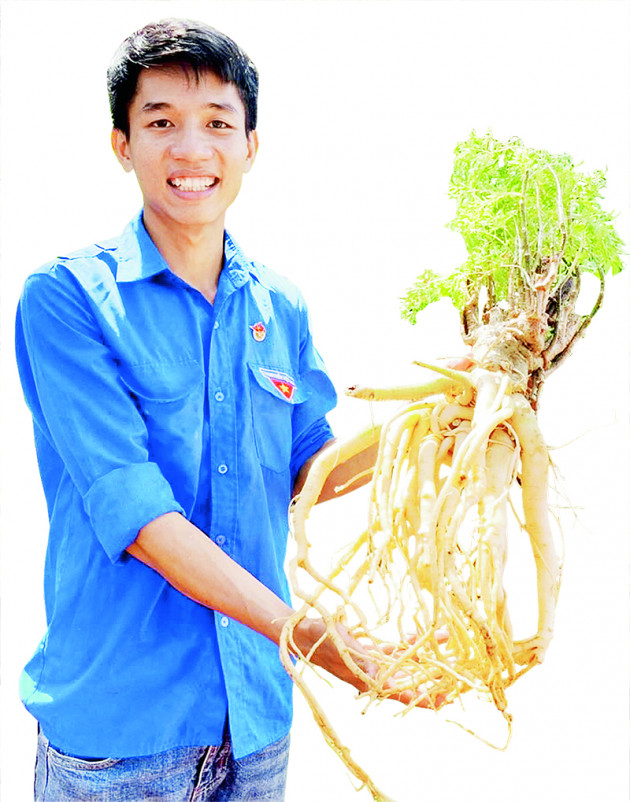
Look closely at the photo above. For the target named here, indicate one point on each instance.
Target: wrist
(307, 634)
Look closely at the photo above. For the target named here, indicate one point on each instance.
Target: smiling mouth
(193, 183)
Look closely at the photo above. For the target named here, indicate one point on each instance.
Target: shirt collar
(136, 253)
(236, 266)
(138, 257)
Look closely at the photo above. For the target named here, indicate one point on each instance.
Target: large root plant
(422, 586)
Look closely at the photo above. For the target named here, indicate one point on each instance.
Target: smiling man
(187, 139)
(178, 401)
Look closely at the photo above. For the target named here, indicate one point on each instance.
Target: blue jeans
(187, 774)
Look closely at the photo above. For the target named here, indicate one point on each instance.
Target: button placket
(223, 424)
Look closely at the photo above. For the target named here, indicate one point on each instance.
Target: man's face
(187, 145)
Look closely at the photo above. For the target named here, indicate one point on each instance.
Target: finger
(418, 700)
(440, 700)
(442, 635)
(460, 363)
(387, 648)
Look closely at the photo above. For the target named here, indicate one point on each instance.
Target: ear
(252, 149)
(120, 144)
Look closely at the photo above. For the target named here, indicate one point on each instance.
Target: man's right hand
(310, 631)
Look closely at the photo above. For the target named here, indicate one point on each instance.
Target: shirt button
(220, 540)
(216, 324)
(222, 468)
(224, 621)
(218, 396)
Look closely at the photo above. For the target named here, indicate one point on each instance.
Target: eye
(219, 124)
(160, 124)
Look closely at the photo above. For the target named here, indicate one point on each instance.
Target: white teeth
(192, 184)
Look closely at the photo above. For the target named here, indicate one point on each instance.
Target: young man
(177, 401)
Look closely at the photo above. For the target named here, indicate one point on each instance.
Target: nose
(192, 144)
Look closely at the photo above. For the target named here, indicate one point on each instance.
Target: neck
(193, 252)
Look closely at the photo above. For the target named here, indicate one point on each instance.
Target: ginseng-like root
(433, 552)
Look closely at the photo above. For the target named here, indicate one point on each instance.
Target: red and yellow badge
(282, 382)
(259, 332)
(285, 388)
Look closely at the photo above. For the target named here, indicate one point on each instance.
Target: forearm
(339, 481)
(198, 568)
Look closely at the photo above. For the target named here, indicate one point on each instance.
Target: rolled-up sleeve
(122, 501)
(314, 438)
(71, 382)
(311, 430)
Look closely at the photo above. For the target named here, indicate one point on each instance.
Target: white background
(361, 106)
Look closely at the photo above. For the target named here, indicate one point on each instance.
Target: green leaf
(516, 206)
(430, 287)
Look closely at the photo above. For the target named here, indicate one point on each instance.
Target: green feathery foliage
(516, 208)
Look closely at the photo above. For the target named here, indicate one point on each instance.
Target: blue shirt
(147, 399)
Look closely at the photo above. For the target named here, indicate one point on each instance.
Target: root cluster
(422, 587)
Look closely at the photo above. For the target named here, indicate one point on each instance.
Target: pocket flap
(280, 383)
(162, 383)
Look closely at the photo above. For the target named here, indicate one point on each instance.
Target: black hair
(185, 43)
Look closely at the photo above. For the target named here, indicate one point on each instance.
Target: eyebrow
(162, 105)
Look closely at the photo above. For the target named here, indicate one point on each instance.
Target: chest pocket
(170, 398)
(274, 393)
